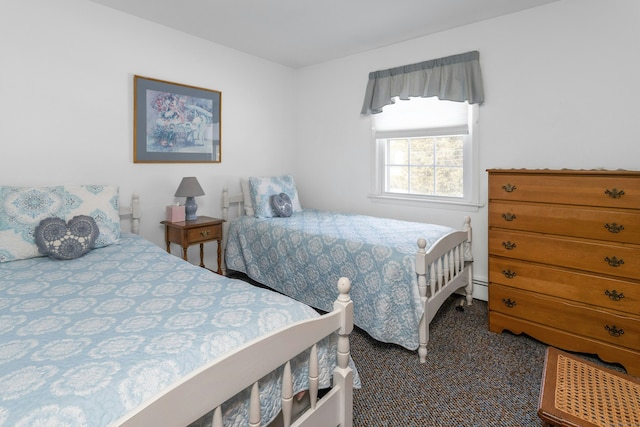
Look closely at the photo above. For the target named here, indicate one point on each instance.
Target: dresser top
(599, 172)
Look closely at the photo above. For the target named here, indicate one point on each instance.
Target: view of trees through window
(431, 166)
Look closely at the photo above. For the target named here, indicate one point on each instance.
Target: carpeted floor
(472, 377)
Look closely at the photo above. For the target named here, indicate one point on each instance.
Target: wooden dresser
(564, 259)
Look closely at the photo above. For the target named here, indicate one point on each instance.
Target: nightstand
(187, 233)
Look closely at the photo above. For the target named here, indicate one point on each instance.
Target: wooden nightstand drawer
(204, 234)
(562, 314)
(564, 220)
(591, 289)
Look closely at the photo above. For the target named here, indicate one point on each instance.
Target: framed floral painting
(175, 123)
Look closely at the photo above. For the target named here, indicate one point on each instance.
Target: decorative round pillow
(60, 240)
(281, 205)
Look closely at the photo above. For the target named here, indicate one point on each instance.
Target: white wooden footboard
(441, 271)
(224, 377)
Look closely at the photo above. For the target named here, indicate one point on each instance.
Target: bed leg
(469, 288)
(422, 353)
(423, 333)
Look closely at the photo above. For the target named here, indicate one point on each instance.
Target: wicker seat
(576, 392)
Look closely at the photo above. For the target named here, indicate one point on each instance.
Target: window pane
(422, 151)
(449, 151)
(398, 152)
(449, 182)
(422, 180)
(398, 179)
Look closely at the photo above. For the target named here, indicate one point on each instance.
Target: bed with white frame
(59, 363)
(433, 268)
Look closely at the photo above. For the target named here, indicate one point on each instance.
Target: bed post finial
(344, 304)
(422, 244)
(344, 286)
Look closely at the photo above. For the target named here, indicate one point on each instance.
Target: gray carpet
(472, 377)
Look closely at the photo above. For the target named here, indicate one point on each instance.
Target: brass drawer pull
(509, 274)
(614, 228)
(614, 194)
(508, 302)
(508, 216)
(509, 188)
(613, 331)
(613, 261)
(508, 245)
(205, 233)
(614, 295)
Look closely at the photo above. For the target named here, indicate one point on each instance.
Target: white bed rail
(441, 271)
(226, 376)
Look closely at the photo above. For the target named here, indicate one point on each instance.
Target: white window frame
(471, 185)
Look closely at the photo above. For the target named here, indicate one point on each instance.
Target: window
(425, 151)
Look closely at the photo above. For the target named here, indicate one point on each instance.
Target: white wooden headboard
(234, 201)
(132, 212)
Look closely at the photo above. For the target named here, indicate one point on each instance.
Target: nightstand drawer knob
(614, 228)
(614, 295)
(613, 331)
(205, 233)
(508, 302)
(508, 216)
(613, 261)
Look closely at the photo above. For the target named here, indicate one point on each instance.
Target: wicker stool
(578, 393)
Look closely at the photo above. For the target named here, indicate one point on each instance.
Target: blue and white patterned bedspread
(300, 255)
(83, 342)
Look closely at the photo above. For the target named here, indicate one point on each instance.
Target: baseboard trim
(481, 290)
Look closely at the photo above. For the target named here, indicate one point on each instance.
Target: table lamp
(190, 188)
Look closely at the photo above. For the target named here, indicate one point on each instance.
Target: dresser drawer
(598, 324)
(204, 234)
(621, 260)
(590, 289)
(592, 223)
(606, 190)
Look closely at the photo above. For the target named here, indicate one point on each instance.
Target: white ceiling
(297, 33)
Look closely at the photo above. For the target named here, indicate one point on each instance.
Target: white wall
(561, 86)
(66, 85)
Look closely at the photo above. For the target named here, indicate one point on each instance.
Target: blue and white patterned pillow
(102, 202)
(262, 188)
(22, 209)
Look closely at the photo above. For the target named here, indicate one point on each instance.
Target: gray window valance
(453, 78)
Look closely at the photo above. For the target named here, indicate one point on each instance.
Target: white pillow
(246, 194)
(262, 188)
(22, 209)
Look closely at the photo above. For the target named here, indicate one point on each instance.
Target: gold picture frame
(176, 123)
